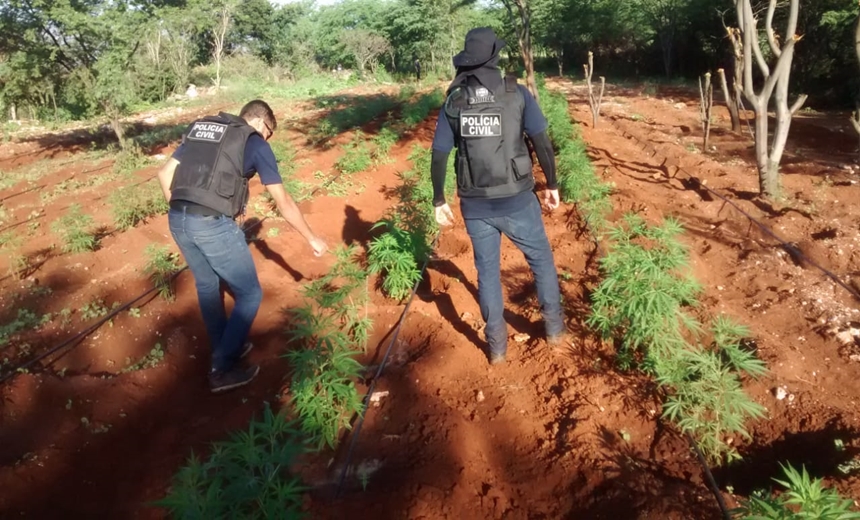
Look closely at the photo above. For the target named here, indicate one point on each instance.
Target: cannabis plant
(75, 229)
(161, 266)
(323, 391)
(645, 290)
(133, 205)
(805, 498)
(328, 332)
(396, 255)
(247, 476)
(356, 157)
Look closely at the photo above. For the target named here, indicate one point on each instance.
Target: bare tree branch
(771, 37)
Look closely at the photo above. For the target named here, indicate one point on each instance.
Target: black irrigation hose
(84, 333)
(366, 401)
(790, 248)
(89, 330)
(712, 483)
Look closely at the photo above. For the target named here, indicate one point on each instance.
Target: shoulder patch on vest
(481, 95)
(485, 124)
(207, 131)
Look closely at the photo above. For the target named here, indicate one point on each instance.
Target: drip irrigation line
(712, 483)
(84, 333)
(72, 342)
(791, 249)
(366, 401)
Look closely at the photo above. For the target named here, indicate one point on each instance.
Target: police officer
(206, 183)
(486, 117)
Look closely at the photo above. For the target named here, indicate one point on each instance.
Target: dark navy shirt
(259, 158)
(534, 123)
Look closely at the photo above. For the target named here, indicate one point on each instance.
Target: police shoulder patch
(484, 124)
(207, 131)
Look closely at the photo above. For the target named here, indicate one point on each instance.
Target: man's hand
(444, 216)
(318, 246)
(550, 199)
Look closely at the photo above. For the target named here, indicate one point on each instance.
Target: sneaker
(238, 376)
(247, 347)
(496, 359)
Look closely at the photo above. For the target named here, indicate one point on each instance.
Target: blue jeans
(215, 250)
(525, 229)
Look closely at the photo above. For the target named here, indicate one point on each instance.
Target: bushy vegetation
(643, 303)
(248, 476)
(75, 229)
(400, 251)
(804, 498)
(161, 266)
(328, 332)
(577, 181)
(133, 205)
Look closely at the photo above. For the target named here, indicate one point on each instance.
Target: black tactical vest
(211, 172)
(493, 160)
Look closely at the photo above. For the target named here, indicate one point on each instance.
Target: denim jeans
(215, 250)
(525, 229)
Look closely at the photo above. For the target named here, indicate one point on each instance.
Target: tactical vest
(493, 160)
(211, 172)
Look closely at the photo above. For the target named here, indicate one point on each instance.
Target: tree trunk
(559, 56)
(116, 125)
(706, 93)
(219, 37)
(524, 38)
(666, 43)
(594, 101)
(775, 82)
(731, 102)
(855, 116)
(767, 180)
(13, 111)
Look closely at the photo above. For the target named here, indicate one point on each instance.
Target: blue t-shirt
(534, 123)
(259, 158)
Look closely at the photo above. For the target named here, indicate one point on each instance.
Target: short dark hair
(261, 109)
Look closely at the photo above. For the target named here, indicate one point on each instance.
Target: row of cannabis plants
(647, 303)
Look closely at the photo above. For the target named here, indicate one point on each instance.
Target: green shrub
(248, 476)
(327, 331)
(75, 229)
(161, 266)
(804, 499)
(356, 157)
(133, 205)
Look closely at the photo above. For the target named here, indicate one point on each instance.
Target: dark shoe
(247, 347)
(238, 376)
(496, 359)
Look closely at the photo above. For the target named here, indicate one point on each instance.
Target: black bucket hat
(481, 46)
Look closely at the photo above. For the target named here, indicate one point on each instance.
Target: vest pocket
(522, 166)
(462, 172)
(226, 184)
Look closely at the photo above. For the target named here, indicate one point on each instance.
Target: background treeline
(73, 59)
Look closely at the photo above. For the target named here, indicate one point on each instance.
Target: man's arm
(165, 177)
(443, 143)
(291, 213)
(264, 163)
(546, 158)
(535, 125)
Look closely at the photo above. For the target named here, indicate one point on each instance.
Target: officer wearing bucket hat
(486, 117)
